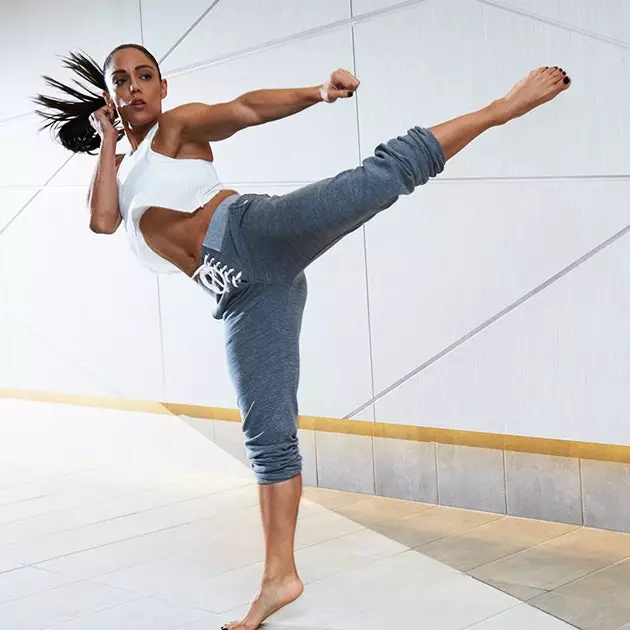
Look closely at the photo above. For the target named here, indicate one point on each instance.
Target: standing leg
(262, 341)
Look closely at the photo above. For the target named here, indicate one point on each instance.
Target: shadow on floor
(577, 574)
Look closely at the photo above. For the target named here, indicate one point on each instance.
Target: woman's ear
(164, 89)
(108, 99)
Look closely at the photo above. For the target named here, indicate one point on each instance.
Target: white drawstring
(215, 277)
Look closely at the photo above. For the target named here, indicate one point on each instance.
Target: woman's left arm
(199, 122)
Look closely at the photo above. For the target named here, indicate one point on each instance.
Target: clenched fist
(342, 84)
(103, 120)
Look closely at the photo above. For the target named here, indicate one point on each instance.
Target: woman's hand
(342, 84)
(103, 122)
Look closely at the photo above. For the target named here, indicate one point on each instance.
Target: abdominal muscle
(177, 236)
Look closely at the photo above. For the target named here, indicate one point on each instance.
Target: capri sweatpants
(271, 240)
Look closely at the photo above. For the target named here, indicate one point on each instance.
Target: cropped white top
(146, 178)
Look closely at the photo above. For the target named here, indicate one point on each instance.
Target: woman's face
(135, 88)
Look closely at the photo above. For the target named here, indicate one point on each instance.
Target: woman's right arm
(103, 197)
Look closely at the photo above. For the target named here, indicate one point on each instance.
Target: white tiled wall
(34, 32)
(557, 366)
(11, 201)
(32, 158)
(237, 25)
(84, 292)
(37, 364)
(607, 18)
(165, 22)
(194, 355)
(466, 250)
(521, 205)
(361, 7)
(6, 377)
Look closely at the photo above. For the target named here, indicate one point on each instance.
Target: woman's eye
(147, 77)
(119, 82)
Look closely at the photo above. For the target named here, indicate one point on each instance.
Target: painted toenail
(567, 80)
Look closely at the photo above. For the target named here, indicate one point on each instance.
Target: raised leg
(284, 234)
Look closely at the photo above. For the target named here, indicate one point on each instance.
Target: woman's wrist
(108, 143)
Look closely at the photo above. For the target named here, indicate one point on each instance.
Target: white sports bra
(146, 178)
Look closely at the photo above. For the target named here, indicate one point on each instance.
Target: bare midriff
(178, 236)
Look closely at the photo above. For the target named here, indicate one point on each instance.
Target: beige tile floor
(133, 521)
(576, 574)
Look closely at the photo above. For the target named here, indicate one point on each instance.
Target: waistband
(219, 223)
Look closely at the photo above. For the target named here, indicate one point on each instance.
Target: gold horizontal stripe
(118, 404)
(206, 413)
(497, 441)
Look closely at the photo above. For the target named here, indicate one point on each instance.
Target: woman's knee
(406, 162)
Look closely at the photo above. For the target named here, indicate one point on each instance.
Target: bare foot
(273, 596)
(538, 87)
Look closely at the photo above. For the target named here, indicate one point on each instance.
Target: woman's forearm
(269, 105)
(103, 198)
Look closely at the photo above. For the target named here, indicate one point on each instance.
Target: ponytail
(69, 119)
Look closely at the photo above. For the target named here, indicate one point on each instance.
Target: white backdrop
(495, 299)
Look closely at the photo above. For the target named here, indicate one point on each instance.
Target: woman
(248, 251)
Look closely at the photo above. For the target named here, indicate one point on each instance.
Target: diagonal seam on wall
(35, 195)
(5, 122)
(188, 31)
(97, 378)
(295, 37)
(617, 43)
(492, 320)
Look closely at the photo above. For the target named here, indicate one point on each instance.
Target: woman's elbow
(103, 226)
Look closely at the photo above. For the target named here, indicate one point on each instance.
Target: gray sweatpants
(271, 240)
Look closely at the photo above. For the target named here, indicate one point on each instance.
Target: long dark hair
(69, 119)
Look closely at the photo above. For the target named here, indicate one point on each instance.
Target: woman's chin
(140, 117)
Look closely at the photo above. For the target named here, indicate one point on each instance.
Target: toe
(552, 72)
